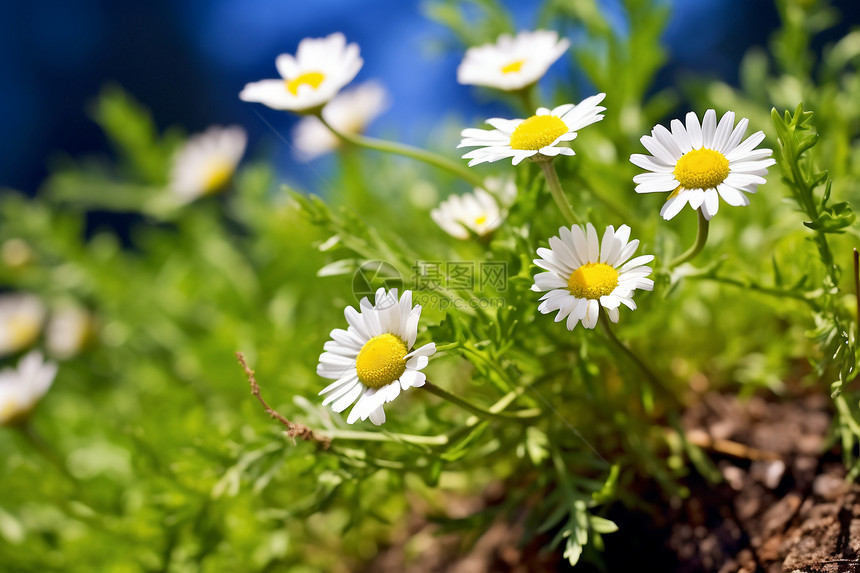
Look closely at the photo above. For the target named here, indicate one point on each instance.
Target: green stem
(557, 191)
(520, 416)
(45, 450)
(590, 184)
(526, 96)
(449, 346)
(701, 239)
(857, 294)
(655, 381)
(757, 288)
(385, 437)
(407, 151)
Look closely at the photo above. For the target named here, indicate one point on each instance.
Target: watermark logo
(373, 275)
(460, 275)
(432, 282)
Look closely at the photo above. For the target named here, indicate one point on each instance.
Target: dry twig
(701, 439)
(294, 429)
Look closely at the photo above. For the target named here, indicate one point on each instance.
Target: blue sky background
(188, 59)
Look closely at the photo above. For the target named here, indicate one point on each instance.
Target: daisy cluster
(24, 320)
(584, 276)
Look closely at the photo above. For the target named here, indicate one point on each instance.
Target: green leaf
(602, 525)
(607, 492)
(461, 448)
(834, 220)
(537, 445)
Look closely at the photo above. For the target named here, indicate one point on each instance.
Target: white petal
(412, 379)
(709, 128)
(344, 401)
(732, 196)
(572, 321)
(593, 243)
(651, 163)
(378, 416)
(352, 382)
(612, 313)
(591, 314)
(695, 197)
(673, 206)
(736, 137)
(662, 185)
(724, 131)
(657, 150)
(679, 134)
(694, 130)
(711, 204)
(348, 377)
(666, 140)
(637, 262)
(738, 152)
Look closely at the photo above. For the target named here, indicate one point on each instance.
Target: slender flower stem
(407, 151)
(557, 191)
(77, 507)
(701, 238)
(384, 437)
(655, 381)
(520, 416)
(449, 346)
(784, 293)
(526, 96)
(40, 445)
(857, 292)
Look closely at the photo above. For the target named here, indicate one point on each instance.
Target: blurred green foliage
(153, 456)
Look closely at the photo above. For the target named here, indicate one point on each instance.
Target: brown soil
(782, 507)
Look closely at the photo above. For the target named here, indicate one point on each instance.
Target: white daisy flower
(22, 387)
(311, 78)
(537, 136)
(67, 332)
(512, 63)
(477, 212)
(699, 164)
(207, 161)
(21, 318)
(584, 273)
(373, 360)
(349, 112)
(504, 189)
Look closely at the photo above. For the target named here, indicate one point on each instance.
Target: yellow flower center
(381, 361)
(592, 280)
(481, 220)
(537, 131)
(701, 169)
(313, 79)
(23, 331)
(512, 67)
(218, 174)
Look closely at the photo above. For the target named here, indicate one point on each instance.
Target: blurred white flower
(15, 252)
(207, 161)
(349, 112)
(373, 360)
(538, 135)
(68, 330)
(585, 273)
(477, 212)
(22, 387)
(504, 189)
(699, 164)
(311, 78)
(512, 63)
(21, 318)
